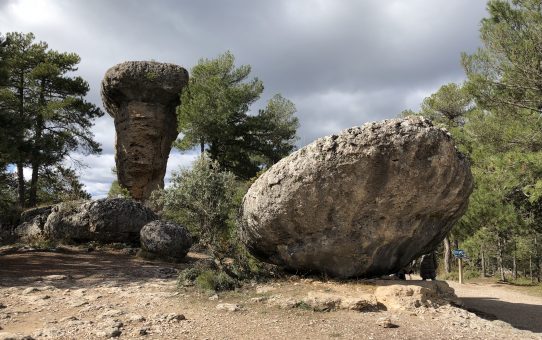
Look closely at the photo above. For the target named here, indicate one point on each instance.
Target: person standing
(428, 267)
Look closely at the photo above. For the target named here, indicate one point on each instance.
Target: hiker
(401, 274)
(428, 267)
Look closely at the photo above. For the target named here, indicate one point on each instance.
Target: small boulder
(385, 322)
(229, 307)
(166, 239)
(411, 296)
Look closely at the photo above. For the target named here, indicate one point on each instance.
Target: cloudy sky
(342, 62)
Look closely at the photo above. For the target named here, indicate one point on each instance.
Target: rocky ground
(77, 294)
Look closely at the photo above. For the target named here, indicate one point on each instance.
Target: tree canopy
(42, 104)
(495, 120)
(214, 114)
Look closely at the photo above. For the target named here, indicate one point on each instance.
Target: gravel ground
(97, 295)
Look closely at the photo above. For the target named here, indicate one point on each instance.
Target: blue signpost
(460, 255)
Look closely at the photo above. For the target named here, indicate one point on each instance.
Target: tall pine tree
(46, 110)
(214, 116)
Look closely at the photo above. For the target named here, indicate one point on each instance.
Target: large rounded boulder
(362, 203)
(104, 220)
(166, 239)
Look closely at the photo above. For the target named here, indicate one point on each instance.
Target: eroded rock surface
(32, 223)
(409, 295)
(166, 239)
(142, 96)
(104, 220)
(365, 202)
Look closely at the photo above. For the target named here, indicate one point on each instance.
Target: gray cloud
(342, 62)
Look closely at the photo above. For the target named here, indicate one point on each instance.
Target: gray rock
(365, 202)
(109, 329)
(32, 223)
(142, 96)
(407, 295)
(55, 277)
(104, 220)
(385, 322)
(30, 290)
(229, 307)
(165, 239)
(11, 336)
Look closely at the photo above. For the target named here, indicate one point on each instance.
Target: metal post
(460, 263)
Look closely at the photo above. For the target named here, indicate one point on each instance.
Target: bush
(468, 274)
(188, 277)
(202, 199)
(42, 244)
(215, 281)
(206, 279)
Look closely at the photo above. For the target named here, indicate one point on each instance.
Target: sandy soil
(498, 301)
(100, 294)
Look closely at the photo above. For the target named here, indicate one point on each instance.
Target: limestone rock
(104, 220)
(385, 322)
(230, 307)
(142, 96)
(166, 239)
(32, 223)
(329, 301)
(362, 203)
(409, 296)
(11, 336)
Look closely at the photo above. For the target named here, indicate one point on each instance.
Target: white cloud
(342, 62)
(34, 13)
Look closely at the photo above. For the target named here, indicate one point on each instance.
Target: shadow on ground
(519, 315)
(82, 268)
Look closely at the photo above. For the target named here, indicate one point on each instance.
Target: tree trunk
(537, 257)
(21, 184)
(514, 267)
(202, 146)
(500, 260)
(514, 263)
(20, 174)
(32, 197)
(447, 255)
(531, 268)
(36, 147)
(483, 262)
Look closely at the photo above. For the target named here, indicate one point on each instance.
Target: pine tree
(214, 115)
(45, 110)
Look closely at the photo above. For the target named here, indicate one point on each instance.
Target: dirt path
(97, 295)
(498, 301)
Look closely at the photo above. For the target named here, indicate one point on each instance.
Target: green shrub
(188, 276)
(303, 305)
(215, 280)
(468, 274)
(42, 243)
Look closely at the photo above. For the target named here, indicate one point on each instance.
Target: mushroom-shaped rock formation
(362, 203)
(142, 96)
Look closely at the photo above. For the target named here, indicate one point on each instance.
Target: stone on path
(166, 239)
